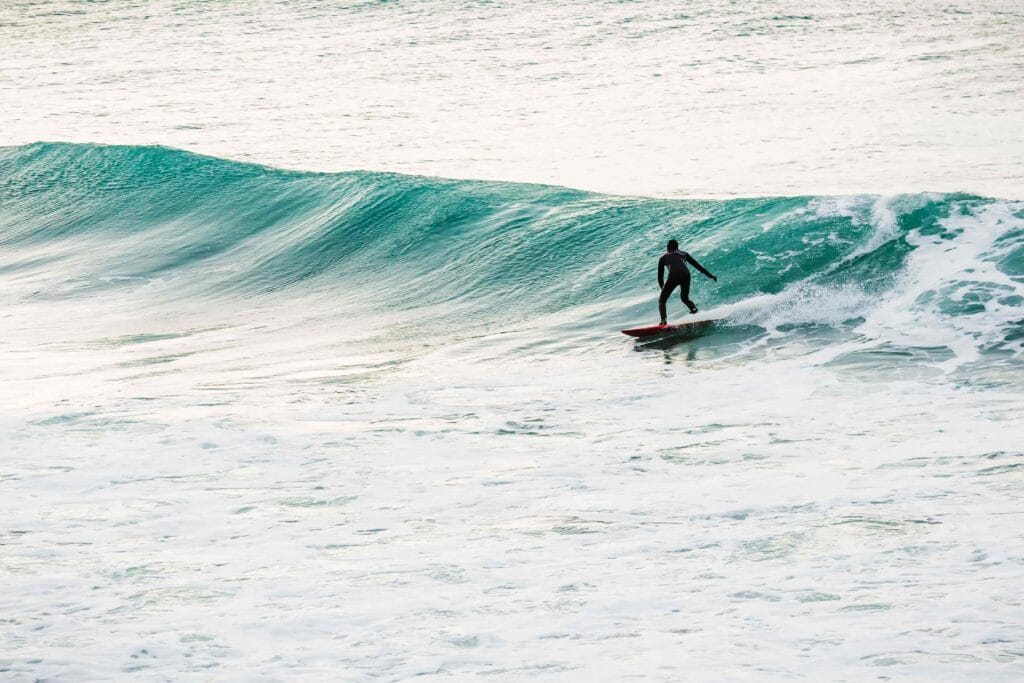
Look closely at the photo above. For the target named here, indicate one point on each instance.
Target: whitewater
(311, 365)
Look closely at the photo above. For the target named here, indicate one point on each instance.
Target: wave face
(83, 220)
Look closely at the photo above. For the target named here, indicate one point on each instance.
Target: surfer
(678, 276)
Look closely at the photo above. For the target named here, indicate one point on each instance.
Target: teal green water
(82, 218)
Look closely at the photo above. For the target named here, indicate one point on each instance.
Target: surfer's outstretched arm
(699, 267)
(661, 276)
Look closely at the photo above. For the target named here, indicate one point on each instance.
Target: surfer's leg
(684, 294)
(666, 292)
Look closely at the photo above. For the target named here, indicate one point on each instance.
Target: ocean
(311, 360)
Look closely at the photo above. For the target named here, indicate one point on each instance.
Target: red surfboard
(654, 330)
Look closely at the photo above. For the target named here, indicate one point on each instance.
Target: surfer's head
(673, 245)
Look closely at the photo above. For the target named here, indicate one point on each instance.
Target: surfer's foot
(693, 309)
(663, 322)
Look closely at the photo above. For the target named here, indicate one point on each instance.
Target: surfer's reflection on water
(706, 344)
(670, 357)
(674, 349)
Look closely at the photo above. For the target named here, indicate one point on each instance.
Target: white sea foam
(912, 313)
(658, 515)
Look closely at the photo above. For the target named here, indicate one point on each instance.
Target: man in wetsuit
(678, 276)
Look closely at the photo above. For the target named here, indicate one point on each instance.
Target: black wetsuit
(678, 276)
